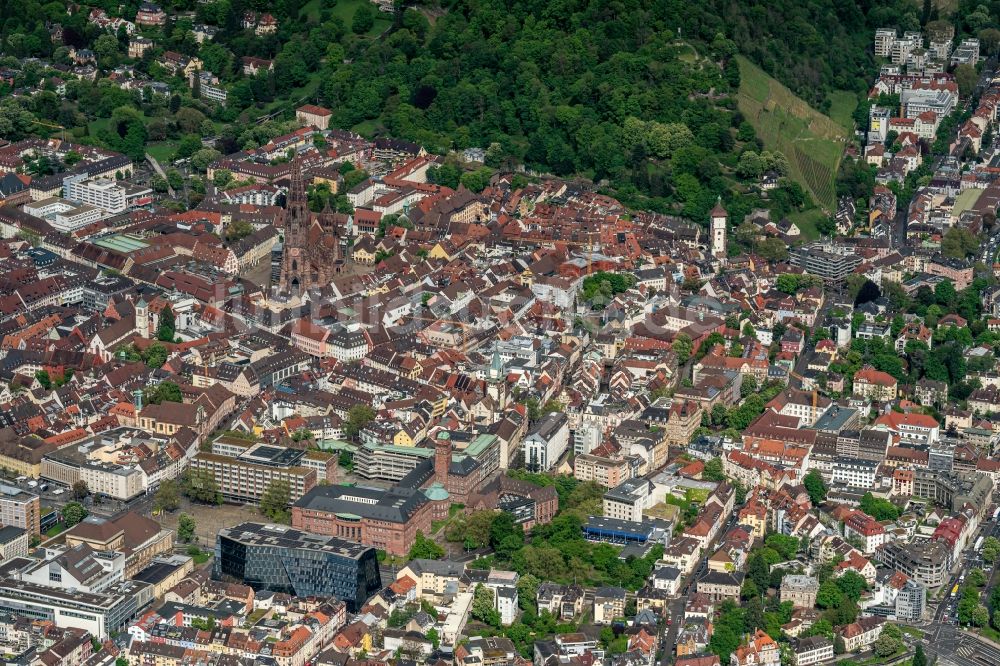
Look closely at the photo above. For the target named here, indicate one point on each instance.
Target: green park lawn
(344, 10)
(162, 151)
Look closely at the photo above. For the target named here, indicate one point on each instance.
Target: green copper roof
(121, 243)
(436, 492)
(480, 444)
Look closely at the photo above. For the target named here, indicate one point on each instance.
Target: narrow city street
(945, 639)
(676, 607)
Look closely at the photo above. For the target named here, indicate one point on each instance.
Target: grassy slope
(812, 142)
(101, 123)
(367, 127)
(806, 221)
(298, 95)
(842, 105)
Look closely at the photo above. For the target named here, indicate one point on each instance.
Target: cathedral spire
(296, 205)
(310, 257)
(297, 188)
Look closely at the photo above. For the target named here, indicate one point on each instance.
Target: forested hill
(818, 46)
(601, 89)
(638, 95)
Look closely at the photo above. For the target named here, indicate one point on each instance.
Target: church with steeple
(311, 255)
(496, 381)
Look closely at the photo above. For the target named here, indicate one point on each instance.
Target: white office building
(917, 101)
(100, 613)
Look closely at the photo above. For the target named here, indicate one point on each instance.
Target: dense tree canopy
(73, 513)
(186, 528)
(274, 502)
(425, 549)
(879, 509)
(815, 486)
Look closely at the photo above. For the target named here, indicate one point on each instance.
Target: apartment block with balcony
(609, 472)
(20, 509)
(927, 562)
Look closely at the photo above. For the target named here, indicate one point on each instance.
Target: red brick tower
(442, 461)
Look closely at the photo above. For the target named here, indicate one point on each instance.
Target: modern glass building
(283, 559)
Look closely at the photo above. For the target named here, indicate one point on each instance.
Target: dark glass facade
(299, 563)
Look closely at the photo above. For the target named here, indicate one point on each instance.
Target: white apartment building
(859, 635)
(546, 443)
(210, 87)
(102, 193)
(902, 47)
(395, 202)
(631, 497)
(867, 529)
(913, 429)
(884, 39)
(121, 482)
(967, 53)
(19, 508)
(365, 192)
(505, 599)
(63, 215)
(14, 542)
(348, 344)
(586, 438)
(258, 195)
(855, 472)
(799, 404)
(940, 49)
(812, 650)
